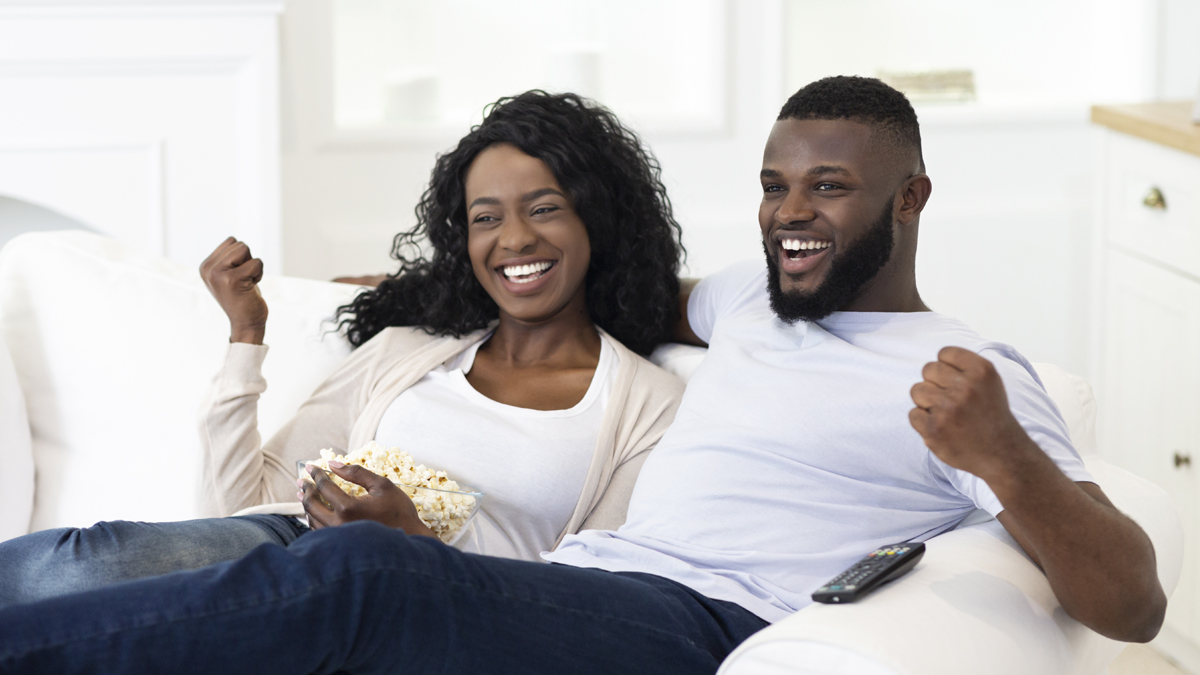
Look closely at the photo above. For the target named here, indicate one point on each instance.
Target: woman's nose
(517, 235)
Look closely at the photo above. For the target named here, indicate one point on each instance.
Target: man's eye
(826, 187)
(772, 188)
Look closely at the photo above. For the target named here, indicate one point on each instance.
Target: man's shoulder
(737, 279)
(741, 285)
(1012, 366)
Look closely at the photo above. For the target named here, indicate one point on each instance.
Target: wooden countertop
(1168, 123)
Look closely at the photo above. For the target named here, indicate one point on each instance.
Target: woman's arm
(239, 470)
(609, 514)
(647, 411)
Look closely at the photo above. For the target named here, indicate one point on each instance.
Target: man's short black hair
(859, 99)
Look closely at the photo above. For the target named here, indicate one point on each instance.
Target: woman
(509, 357)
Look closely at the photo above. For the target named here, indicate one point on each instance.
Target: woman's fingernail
(300, 483)
(300, 496)
(334, 464)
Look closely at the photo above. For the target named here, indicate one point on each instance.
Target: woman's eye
(483, 219)
(544, 209)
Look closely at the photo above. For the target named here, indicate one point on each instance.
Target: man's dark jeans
(362, 598)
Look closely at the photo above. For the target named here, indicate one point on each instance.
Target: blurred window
(424, 63)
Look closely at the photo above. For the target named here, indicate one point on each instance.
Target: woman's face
(528, 247)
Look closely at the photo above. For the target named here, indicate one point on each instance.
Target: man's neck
(887, 293)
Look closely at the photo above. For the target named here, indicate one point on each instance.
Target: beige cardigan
(243, 475)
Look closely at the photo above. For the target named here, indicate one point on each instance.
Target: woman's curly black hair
(632, 284)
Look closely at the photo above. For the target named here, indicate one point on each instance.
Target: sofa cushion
(680, 360)
(1073, 396)
(16, 453)
(115, 350)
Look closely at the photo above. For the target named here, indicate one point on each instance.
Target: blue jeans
(362, 598)
(68, 560)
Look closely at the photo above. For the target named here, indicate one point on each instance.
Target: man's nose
(517, 235)
(796, 208)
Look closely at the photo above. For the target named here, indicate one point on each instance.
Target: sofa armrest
(16, 452)
(975, 603)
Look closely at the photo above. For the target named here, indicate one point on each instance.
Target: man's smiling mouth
(795, 249)
(523, 274)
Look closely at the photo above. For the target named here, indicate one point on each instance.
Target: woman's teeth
(523, 274)
(801, 249)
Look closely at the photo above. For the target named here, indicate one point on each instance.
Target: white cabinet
(1151, 398)
(1148, 264)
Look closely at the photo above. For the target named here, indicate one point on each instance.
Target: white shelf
(976, 113)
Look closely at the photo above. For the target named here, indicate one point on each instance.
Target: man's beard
(848, 271)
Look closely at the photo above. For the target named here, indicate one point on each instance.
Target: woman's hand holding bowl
(327, 505)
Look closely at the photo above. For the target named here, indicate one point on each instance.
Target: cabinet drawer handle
(1154, 200)
(1182, 460)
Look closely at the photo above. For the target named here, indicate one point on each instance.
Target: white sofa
(113, 352)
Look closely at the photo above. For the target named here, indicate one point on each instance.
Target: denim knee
(353, 545)
(33, 569)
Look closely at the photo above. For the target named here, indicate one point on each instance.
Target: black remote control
(879, 567)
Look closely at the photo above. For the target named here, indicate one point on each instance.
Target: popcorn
(443, 512)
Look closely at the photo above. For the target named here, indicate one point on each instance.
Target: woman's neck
(568, 339)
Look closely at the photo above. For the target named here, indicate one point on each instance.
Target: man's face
(826, 215)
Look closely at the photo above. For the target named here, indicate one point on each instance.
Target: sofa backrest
(114, 352)
(16, 453)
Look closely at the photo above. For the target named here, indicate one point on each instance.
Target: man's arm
(1100, 564)
(683, 330)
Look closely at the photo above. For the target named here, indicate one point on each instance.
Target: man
(797, 449)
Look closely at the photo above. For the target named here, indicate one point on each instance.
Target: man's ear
(911, 198)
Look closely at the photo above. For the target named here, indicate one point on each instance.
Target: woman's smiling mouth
(523, 274)
(527, 277)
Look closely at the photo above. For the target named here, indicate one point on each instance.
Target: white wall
(1005, 239)
(1006, 236)
(346, 192)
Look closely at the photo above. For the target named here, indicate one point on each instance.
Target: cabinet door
(1150, 399)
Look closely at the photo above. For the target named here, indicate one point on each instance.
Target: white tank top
(530, 463)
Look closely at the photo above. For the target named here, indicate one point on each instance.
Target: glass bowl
(457, 507)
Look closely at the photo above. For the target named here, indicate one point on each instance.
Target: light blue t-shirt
(792, 456)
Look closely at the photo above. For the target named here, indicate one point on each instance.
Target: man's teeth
(798, 245)
(523, 274)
